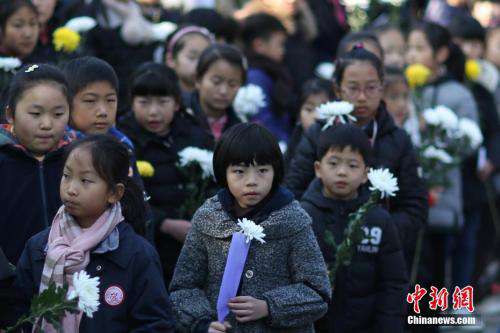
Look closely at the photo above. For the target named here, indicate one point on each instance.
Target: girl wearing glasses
(359, 79)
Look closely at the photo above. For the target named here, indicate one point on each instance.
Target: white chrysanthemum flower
(162, 30)
(432, 152)
(81, 24)
(447, 117)
(249, 100)
(431, 117)
(9, 63)
(201, 156)
(469, 129)
(251, 230)
(86, 289)
(333, 110)
(383, 180)
(325, 70)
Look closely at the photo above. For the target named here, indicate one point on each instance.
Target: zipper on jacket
(44, 195)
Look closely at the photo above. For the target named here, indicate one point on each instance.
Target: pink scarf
(68, 252)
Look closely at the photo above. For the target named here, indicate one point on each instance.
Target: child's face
(493, 47)
(84, 193)
(94, 108)
(45, 9)
(40, 118)
(219, 86)
(308, 110)
(272, 47)
(249, 184)
(396, 97)
(420, 51)
(342, 172)
(21, 33)
(393, 44)
(155, 113)
(361, 86)
(185, 62)
(472, 48)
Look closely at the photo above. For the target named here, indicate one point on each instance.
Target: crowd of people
(101, 98)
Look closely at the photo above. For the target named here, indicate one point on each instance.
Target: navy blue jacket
(134, 267)
(29, 193)
(368, 295)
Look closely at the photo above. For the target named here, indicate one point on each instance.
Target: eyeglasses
(369, 91)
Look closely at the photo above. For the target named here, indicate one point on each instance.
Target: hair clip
(31, 68)
(358, 46)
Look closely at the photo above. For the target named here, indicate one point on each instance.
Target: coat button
(249, 274)
(98, 268)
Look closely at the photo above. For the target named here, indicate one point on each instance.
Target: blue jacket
(134, 268)
(29, 192)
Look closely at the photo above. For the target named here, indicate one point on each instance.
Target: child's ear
(9, 115)
(442, 54)
(117, 193)
(317, 169)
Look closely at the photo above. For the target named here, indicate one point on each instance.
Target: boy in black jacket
(369, 294)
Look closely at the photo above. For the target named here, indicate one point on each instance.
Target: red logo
(462, 298)
(114, 295)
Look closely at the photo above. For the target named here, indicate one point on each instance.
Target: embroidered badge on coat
(114, 295)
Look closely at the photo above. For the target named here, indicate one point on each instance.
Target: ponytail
(133, 206)
(455, 64)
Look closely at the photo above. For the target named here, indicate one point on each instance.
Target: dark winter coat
(394, 150)
(369, 294)
(29, 192)
(164, 186)
(133, 267)
(287, 271)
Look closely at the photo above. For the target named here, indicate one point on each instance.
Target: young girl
(159, 128)
(314, 93)
(182, 52)
(220, 73)
(359, 79)
(93, 231)
(285, 285)
(398, 102)
(31, 154)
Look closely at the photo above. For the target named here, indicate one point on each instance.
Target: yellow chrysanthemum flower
(66, 40)
(145, 169)
(417, 75)
(472, 69)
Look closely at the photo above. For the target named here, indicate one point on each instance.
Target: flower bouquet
(384, 184)
(196, 165)
(52, 303)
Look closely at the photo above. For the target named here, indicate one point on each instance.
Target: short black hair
(348, 41)
(247, 143)
(10, 7)
(221, 26)
(153, 79)
(31, 75)
(260, 25)
(315, 86)
(83, 71)
(466, 27)
(342, 136)
(357, 53)
(225, 52)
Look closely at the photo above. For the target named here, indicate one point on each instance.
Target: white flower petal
(87, 291)
(469, 129)
(382, 180)
(325, 70)
(162, 30)
(9, 63)
(201, 156)
(81, 24)
(441, 155)
(249, 100)
(251, 230)
(332, 111)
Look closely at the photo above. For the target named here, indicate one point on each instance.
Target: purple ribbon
(238, 251)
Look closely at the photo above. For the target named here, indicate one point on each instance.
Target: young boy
(369, 294)
(264, 37)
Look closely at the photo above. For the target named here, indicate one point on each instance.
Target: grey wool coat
(287, 271)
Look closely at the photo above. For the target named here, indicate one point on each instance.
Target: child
(369, 294)
(182, 53)
(359, 79)
(314, 93)
(159, 129)
(398, 102)
(468, 33)
(220, 73)
(31, 158)
(394, 45)
(264, 38)
(285, 286)
(100, 208)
